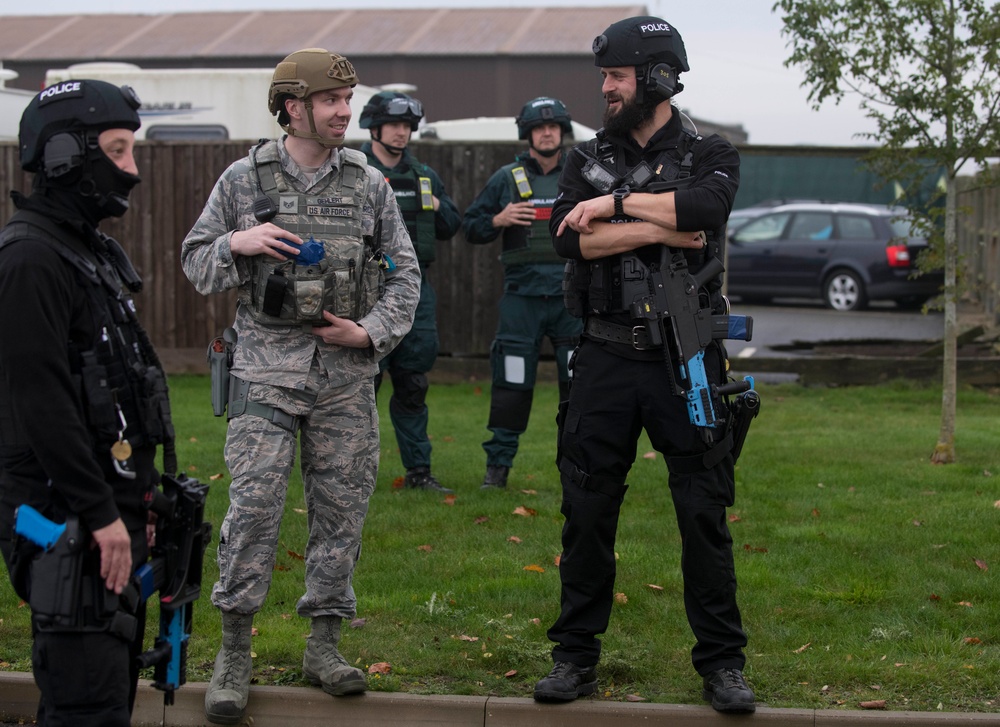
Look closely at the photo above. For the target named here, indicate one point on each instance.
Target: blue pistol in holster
(68, 595)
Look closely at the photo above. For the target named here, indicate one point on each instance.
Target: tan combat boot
(323, 665)
(226, 698)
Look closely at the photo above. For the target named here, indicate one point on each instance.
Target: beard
(630, 115)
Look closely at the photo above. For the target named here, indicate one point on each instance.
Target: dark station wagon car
(846, 254)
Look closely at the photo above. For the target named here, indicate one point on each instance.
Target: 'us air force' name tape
(60, 91)
(650, 30)
(318, 207)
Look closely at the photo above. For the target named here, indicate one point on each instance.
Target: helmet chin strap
(322, 141)
(396, 151)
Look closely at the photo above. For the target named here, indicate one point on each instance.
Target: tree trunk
(944, 450)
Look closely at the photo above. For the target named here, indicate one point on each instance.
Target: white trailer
(201, 103)
(13, 101)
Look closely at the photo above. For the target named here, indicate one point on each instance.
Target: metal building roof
(232, 35)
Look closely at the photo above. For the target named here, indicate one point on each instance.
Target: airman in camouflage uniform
(292, 375)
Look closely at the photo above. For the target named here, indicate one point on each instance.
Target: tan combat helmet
(302, 74)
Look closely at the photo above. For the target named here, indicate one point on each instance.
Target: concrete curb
(304, 707)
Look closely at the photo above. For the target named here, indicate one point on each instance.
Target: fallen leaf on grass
(296, 555)
(450, 499)
(654, 587)
(447, 439)
(981, 564)
(192, 468)
(734, 518)
(463, 637)
(382, 667)
(425, 548)
(215, 477)
(964, 603)
(935, 597)
(254, 631)
(511, 673)
(802, 648)
(530, 492)
(972, 640)
(524, 511)
(649, 455)
(815, 512)
(299, 510)
(478, 391)
(753, 548)
(397, 484)
(534, 568)
(873, 704)
(514, 539)
(634, 698)
(481, 519)
(621, 598)
(536, 621)
(358, 623)
(557, 560)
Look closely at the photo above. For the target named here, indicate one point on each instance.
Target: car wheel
(844, 291)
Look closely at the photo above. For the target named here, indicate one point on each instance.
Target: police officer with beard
(83, 402)
(430, 215)
(620, 382)
(515, 206)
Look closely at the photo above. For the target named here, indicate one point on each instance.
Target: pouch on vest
(426, 193)
(521, 182)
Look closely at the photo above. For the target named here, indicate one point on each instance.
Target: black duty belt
(634, 336)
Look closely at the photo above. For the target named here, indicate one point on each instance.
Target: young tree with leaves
(928, 73)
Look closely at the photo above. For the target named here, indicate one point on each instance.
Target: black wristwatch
(620, 194)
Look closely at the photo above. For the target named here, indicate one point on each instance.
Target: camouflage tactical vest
(347, 281)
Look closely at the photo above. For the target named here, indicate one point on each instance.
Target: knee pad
(409, 389)
(510, 408)
(514, 360)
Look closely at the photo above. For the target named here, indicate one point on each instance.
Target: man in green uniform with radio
(430, 215)
(516, 204)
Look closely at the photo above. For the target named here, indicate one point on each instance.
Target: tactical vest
(605, 286)
(118, 377)
(348, 280)
(532, 244)
(414, 195)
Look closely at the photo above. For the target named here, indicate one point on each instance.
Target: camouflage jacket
(282, 355)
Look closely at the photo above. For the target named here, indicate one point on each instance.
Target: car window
(764, 228)
(856, 227)
(811, 226)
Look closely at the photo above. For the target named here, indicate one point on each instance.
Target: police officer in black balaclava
(83, 402)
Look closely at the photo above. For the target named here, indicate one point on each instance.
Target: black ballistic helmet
(653, 47)
(76, 106)
(543, 110)
(387, 107)
(640, 41)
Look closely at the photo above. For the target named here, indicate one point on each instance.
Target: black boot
(496, 476)
(566, 682)
(420, 478)
(728, 691)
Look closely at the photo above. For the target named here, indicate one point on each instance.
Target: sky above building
(735, 49)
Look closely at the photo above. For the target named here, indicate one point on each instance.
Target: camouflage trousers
(340, 450)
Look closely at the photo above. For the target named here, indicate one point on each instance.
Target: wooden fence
(178, 177)
(979, 242)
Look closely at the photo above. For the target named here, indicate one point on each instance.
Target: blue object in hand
(311, 252)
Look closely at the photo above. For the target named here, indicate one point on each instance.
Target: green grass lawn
(865, 572)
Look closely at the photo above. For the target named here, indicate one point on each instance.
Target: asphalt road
(787, 327)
